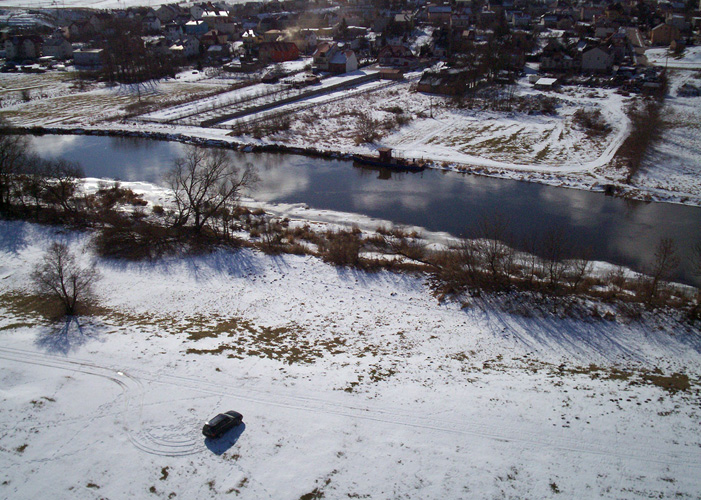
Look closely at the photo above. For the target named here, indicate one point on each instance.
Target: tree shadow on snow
(63, 337)
(220, 445)
(14, 236)
(234, 263)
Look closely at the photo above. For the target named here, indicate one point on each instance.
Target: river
(615, 230)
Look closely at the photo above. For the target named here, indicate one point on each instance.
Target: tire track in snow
(133, 390)
(149, 443)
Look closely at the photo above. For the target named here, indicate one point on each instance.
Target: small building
(151, 24)
(391, 74)
(343, 61)
(397, 55)
(447, 82)
(546, 83)
(88, 59)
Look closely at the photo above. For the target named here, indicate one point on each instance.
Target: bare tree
(60, 276)
(13, 149)
(63, 184)
(664, 263)
(204, 181)
(495, 248)
(696, 259)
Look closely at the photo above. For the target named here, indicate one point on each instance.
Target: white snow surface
(689, 59)
(351, 384)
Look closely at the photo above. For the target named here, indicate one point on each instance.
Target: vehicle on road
(218, 425)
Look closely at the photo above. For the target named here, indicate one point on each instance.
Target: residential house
(213, 37)
(221, 20)
(519, 19)
(663, 34)
(439, 14)
(272, 35)
(196, 12)
(185, 48)
(173, 31)
(597, 60)
(57, 46)
(447, 82)
(167, 13)
(303, 38)
(322, 55)
(274, 52)
(343, 61)
(151, 24)
(196, 28)
(250, 39)
(556, 57)
(397, 56)
(21, 47)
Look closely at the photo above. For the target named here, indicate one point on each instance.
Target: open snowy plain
(352, 385)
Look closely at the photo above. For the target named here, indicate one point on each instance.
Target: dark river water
(615, 230)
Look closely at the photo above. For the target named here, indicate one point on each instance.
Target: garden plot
(250, 101)
(98, 103)
(325, 98)
(432, 127)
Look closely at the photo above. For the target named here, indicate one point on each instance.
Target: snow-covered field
(352, 385)
(689, 59)
(674, 164)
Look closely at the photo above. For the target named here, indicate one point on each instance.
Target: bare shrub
(108, 197)
(135, 241)
(592, 122)
(493, 249)
(341, 248)
(271, 237)
(367, 129)
(665, 261)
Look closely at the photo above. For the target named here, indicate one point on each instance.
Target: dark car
(222, 423)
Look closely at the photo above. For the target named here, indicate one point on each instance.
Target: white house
(57, 46)
(343, 61)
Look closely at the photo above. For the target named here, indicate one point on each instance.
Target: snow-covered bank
(351, 384)
(548, 149)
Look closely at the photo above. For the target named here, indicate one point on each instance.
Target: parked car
(218, 425)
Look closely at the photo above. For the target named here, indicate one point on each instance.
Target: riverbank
(528, 146)
(217, 139)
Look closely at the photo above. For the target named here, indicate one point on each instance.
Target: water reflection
(619, 231)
